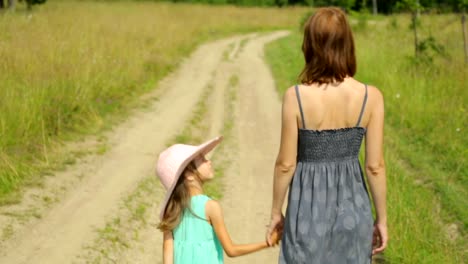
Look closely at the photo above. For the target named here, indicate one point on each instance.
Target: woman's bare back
(330, 106)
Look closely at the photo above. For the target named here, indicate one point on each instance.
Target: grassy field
(69, 69)
(426, 145)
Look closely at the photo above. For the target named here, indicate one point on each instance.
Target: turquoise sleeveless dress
(195, 241)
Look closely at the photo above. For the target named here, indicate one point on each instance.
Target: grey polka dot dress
(328, 219)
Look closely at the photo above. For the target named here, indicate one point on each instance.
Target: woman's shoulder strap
(363, 107)
(298, 96)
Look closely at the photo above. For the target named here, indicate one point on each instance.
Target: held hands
(275, 230)
(379, 238)
(275, 237)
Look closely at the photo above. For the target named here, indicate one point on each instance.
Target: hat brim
(204, 149)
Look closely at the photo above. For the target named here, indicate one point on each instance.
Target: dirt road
(93, 188)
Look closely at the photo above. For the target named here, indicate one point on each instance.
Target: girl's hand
(276, 226)
(276, 236)
(380, 238)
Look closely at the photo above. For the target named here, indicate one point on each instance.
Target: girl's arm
(215, 216)
(168, 248)
(375, 168)
(286, 160)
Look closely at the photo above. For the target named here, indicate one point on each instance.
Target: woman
(329, 218)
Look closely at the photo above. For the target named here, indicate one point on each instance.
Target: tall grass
(426, 146)
(426, 104)
(69, 68)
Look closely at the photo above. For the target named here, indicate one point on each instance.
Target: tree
(414, 7)
(30, 3)
(281, 3)
(418, 9)
(11, 4)
(374, 7)
(463, 6)
(1, 4)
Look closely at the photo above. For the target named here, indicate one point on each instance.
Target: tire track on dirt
(247, 201)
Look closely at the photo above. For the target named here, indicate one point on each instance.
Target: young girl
(193, 224)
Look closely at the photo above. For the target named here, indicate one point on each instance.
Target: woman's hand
(275, 229)
(276, 236)
(380, 238)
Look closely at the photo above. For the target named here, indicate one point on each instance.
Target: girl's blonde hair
(179, 201)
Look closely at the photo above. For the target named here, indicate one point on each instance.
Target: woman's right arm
(375, 168)
(286, 160)
(168, 248)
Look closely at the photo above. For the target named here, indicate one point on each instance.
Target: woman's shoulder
(375, 99)
(290, 93)
(372, 89)
(374, 93)
(375, 96)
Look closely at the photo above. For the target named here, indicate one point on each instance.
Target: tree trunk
(374, 7)
(1, 4)
(463, 21)
(414, 18)
(11, 4)
(418, 11)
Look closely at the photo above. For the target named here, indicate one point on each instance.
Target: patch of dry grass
(68, 68)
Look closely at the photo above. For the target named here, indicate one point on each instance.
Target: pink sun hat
(172, 162)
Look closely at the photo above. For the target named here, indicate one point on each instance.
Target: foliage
(385, 7)
(303, 20)
(346, 4)
(35, 2)
(429, 47)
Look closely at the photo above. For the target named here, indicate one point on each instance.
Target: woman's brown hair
(178, 202)
(328, 47)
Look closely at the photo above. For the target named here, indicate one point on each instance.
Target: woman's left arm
(286, 160)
